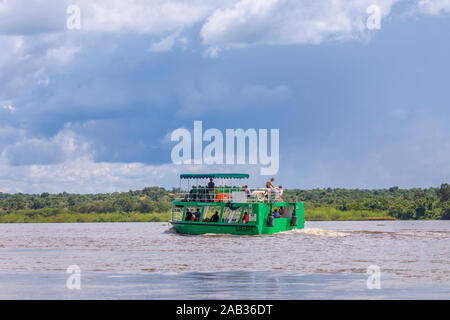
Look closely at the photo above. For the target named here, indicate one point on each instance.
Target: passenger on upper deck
(201, 194)
(280, 189)
(278, 193)
(193, 194)
(269, 188)
(246, 190)
(210, 188)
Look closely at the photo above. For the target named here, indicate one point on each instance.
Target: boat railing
(230, 195)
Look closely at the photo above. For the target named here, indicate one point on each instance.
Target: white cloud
(78, 172)
(149, 17)
(10, 108)
(434, 7)
(65, 162)
(288, 21)
(166, 44)
(65, 145)
(12, 47)
(212, 52)
(82, 175)
(26, 61)
(226, 23)
(20, 17)
(63, 54)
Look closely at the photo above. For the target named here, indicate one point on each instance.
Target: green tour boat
(220, 203)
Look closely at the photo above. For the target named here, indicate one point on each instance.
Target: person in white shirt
(280, 191)
(246, 190)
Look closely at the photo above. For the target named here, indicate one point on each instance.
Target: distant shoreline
(154, 204)
(67, 217)
(362, 219)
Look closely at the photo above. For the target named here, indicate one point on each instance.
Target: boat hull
(280, 225)
(200, 228)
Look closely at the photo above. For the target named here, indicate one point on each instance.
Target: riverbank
(36, 216)
(155, 203)
(65, 216)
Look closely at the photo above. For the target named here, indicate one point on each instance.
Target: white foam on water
(309, 231)
(317, 232)
(414, 234)
(425, 234)
(218, 235)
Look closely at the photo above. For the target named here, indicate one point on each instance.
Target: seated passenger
(188, 216)
(197, 215)
(245, 217)
(276, 214)
(215, 217)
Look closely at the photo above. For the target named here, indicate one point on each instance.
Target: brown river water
(326, 260)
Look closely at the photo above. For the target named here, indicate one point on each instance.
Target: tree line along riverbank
(153, 204)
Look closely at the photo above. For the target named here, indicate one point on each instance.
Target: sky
(92, 109)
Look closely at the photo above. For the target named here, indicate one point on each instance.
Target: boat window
(177, 213)
(194, 209)
(231, 216)
(209, 211)
(285, 212)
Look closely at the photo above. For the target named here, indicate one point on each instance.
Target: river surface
(326, 260)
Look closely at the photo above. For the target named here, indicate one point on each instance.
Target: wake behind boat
(231, 207)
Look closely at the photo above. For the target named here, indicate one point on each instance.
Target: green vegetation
(331, 213)
(394, 203)
(148, 205)
(39, 216)
(154, 203)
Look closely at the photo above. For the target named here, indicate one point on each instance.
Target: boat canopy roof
(215, 175)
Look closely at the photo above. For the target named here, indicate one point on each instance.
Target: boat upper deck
(224, 187)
